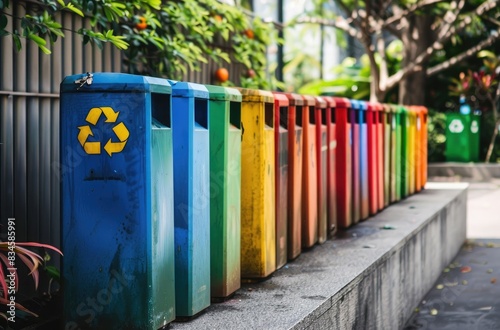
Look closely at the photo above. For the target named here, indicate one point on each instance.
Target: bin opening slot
(269, 114)
(425, 119)
(298, 115)
(284, 117)
(312, 119)
(160, 108)
(349, 111)
(201, 112)
(380, 117)
(323, 116)
(388, 118)
(357, 116)
(363, 117)
(332, 115)
(375, 117)
(235, 114)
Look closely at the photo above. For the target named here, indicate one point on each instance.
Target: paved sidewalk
(466, 295)
(483, 210)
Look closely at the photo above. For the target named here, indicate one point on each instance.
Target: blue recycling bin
(363, 159)
(191, 146)
(355, 164)
(116, 202)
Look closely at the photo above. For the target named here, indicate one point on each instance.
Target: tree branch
(409, 10)
(481, 9)
(449, 18)
(416, 65)
(468, 53)
(339, 23)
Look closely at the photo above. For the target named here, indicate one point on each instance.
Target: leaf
(465, 269)
(53, 272)
(39, 41)
(3, 22)
(17, 41)
(486, 53)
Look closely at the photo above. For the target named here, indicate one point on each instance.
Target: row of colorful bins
(185, 188)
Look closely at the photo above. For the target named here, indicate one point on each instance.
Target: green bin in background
(462, 137)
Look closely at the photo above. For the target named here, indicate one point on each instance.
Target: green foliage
(159, 38)
(436, 136)
(353, 77)
(353, 81)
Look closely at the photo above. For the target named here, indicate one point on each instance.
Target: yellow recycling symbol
(94, 148)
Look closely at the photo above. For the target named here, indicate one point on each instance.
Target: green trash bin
(404, 120)
(396, 154)
(462, 137)
(225, 190)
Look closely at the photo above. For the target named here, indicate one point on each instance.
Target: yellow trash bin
(258, 229)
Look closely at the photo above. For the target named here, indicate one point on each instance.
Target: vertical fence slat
(20, 184)
(33, 176)
(7, 54)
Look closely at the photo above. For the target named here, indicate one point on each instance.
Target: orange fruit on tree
(141, 25)
(218, 18)
(221, 74)
(249, 33)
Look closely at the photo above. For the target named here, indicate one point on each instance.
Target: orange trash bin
(309, 174)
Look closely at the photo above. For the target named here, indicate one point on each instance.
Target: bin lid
(356, 104)
(387, 107)
(115, 82)
(320, 102)
(363, 105)
(294, 99)
(188, 89)
(374, 106)
(309, 100)
(342, 102)
(256, 95)
(330, 101)
(394, 108)
(402, 109)
(420, 109)
(223, 93)
(280, 100)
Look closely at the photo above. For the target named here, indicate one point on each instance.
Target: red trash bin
(380, 155)
(331, 187)
(321, 169)
(343, 156)
(309, 174)
(295, 134)
(281, 176)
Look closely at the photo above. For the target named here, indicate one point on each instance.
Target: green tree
(425, 28)
(160, 38)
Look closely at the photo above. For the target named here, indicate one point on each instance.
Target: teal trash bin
(462, 137)
(116, 202)
(190, 122)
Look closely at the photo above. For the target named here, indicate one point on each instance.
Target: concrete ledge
(470, 172)
(367, 278)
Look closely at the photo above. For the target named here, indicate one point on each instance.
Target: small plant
(9, 280)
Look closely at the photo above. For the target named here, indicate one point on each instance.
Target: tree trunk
(416, 38)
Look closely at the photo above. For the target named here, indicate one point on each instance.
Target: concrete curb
(473, 172)
(368, 277)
